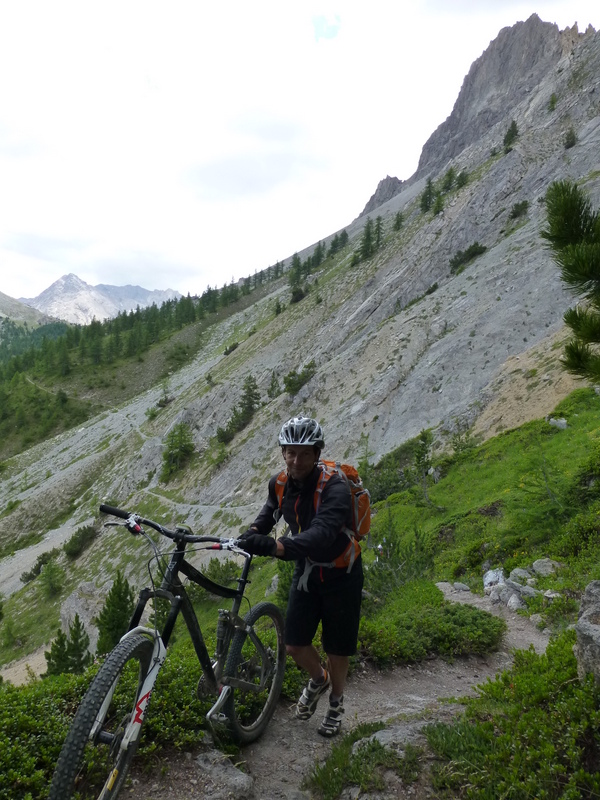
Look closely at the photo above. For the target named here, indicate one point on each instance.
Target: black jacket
(317, 536)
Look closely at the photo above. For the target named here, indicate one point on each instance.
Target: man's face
(299, 460)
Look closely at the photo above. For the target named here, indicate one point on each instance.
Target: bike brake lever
(133, 526)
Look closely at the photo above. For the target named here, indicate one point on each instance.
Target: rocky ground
(405, 698)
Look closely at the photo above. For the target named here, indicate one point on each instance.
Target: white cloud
(184, 144)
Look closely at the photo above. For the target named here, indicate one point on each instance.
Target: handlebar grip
(116, 512)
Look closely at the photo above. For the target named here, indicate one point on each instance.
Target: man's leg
(338, 668)
(307, 658)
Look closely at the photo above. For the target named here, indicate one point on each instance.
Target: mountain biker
(319, 592)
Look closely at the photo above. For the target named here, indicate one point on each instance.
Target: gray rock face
(391, 356)
(587, 646)
(515, 62)
(386, 189)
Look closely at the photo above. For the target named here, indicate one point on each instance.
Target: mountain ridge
(71, 299)
(399, 341)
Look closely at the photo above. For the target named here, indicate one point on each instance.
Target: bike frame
(172, 589)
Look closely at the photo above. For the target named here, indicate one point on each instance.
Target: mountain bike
(244, 677)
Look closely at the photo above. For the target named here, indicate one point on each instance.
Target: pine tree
(69, 653)
(57, 657)
(179, 446)
(78, 654)
(427, 196)
(510, 137)
(250, 398)
(113, 620)
(449, 179)
(573, 232)
(367, 245)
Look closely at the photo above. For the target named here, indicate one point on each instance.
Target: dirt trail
(289, 749)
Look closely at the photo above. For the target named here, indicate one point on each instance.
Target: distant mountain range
(73, 300)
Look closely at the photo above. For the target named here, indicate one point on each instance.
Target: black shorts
(335, 602)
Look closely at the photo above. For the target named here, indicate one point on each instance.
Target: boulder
(545, 566)
(587, 646)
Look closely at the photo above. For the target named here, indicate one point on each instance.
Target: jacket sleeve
(324, 539)
(265, 521)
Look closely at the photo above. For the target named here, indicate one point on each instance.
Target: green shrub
(33, 724)
(400, 634)
(41, 560)
(530, 733)
(511, 136)
(552, 102)
(570, 139)
(464, 257)
(579, 533)
(52, 578)
(294, 381)
(297, 294)
(462, 179)
(519, 209)
(80, 541)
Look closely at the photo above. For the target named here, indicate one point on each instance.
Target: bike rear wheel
(257, 658)
(97, 768)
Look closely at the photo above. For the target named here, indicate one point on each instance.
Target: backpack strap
(280, 487)
(347, 558)
(344, 560)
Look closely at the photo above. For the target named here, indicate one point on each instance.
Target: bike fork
(133, 727)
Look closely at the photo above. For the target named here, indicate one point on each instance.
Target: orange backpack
(360, 505)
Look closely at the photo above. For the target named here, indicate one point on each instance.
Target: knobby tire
(249, 711)
(71, 774)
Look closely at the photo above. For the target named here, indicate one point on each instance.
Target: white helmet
(302, 430)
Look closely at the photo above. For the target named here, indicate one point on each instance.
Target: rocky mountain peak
(73, 300)
(513, 65)
(386, 189)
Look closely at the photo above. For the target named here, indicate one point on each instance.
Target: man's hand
(258, 545)
(243, 537)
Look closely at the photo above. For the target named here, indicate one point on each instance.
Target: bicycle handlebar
(178, 535)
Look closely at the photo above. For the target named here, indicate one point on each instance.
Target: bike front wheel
(254, 669)
(92, 763)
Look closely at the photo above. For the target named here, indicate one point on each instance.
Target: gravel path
(404, 697)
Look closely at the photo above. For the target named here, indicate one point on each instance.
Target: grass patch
(363, 766)
(533, 732)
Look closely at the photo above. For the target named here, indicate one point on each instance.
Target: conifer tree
(113, 620)
(69, 653)
(179, 446)
(57, 657)
(78, 654)
(510, 136)
(573, 232)
(367, 244)
(427, 196)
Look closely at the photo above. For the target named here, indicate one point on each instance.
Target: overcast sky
(185, 144)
